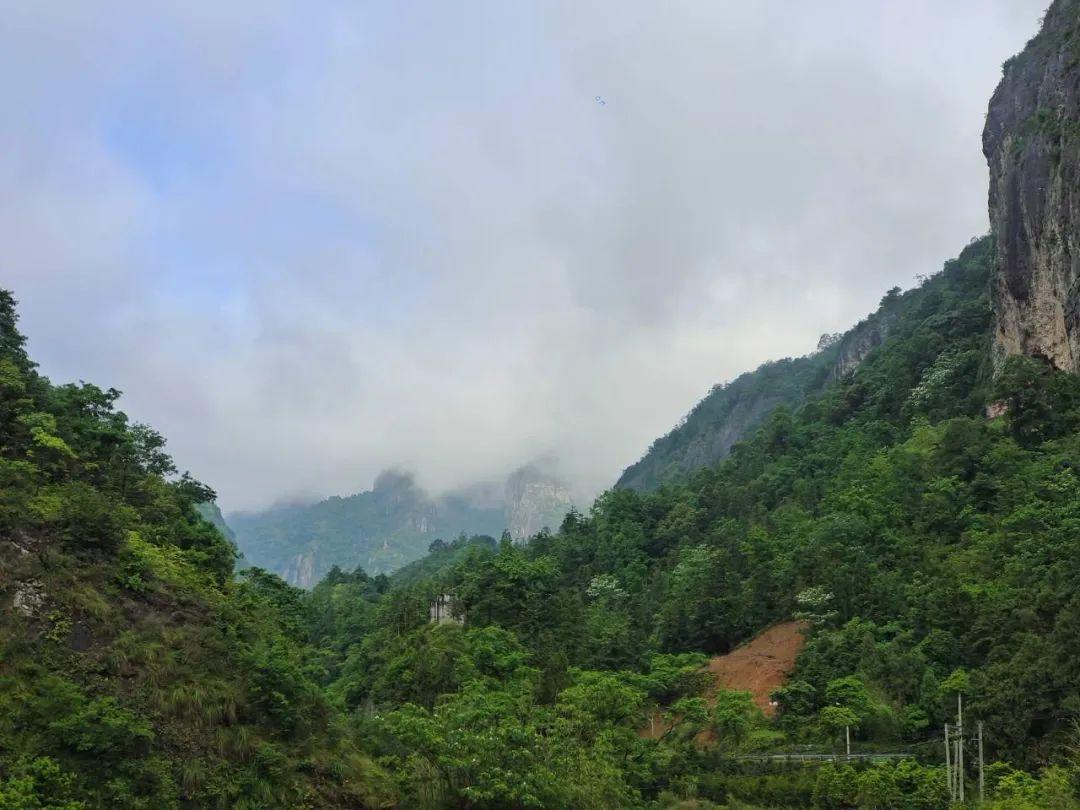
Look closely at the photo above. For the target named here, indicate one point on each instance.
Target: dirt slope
(761, 666)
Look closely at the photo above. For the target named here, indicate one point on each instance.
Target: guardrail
(793, 757)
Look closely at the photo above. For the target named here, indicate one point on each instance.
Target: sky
(313, 240)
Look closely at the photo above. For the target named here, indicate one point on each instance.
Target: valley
(847, 579)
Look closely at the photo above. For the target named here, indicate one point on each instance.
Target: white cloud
(314, 240)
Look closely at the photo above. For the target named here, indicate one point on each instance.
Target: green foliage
(396, 518)
(494, 747)
(929, 550)
(733, 717)
(39, 783)
(134, 672)
(1041, 405)
(903, 786)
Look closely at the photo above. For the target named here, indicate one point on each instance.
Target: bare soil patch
(762, 665)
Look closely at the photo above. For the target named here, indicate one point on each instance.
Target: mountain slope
(134, 672)
(732, 411)
(379, 530)
(930, 550)
(392, 524)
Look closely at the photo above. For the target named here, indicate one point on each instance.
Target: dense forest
(930, 551)
(904, 503)
(135, 669)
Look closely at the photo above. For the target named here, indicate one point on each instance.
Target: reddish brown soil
(761, 666)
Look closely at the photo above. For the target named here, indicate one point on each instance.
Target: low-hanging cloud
(314, 240)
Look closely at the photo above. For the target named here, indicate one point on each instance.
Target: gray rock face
(853, 347)
(29, 597)
(534, 501)
(1032, 145)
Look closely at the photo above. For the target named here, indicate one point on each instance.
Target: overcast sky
(310, 240)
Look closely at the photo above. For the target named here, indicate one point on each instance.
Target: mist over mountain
(848, 580)
(351, 256)
(394, 523)
(731, 411)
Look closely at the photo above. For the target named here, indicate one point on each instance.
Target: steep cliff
(1032, 145)
(856, 345)
(534, 500)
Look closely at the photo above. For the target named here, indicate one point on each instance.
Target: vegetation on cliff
(392, 524)
(910, 496)
(930, 549)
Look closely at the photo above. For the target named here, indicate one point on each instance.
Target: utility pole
(847, 739)
(982, 783)
(948, 765)
(960, 744)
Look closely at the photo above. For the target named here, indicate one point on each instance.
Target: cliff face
(534, 501)
(729, 412)
(1032, 145)
(854, 346)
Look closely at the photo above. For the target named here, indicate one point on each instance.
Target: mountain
(392, 524)
(1032, 145)
(929, 549)
(732, 411)
(534, 500)
(913, 505)
(1031, 141)
(911, 493)
(212, 515)
(135, 671)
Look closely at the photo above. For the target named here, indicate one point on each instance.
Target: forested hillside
(908, 499)
(135, 671)
(732, 411)
(932, 550)
(394, 523)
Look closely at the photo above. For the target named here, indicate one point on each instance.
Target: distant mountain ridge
(731, 411)
(392, 524)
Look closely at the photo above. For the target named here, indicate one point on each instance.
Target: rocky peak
(534, 500)
(1032, 145)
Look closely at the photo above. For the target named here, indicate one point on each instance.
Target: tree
(835, 720)
(733, 716)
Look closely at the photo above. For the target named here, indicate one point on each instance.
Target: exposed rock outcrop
(534, 501)
(1032, 145)
(853, 347)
